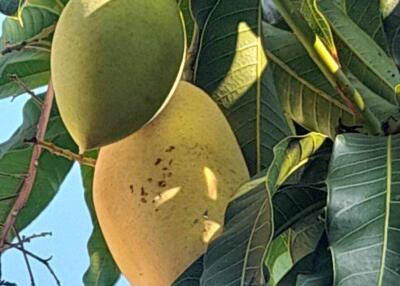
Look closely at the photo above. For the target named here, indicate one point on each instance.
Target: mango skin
(160, 194)
(114, 64)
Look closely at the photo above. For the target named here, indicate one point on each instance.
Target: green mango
(114, 65)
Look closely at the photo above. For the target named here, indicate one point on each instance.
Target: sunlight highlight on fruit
(212, 183)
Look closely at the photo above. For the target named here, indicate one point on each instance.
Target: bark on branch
(29, 180)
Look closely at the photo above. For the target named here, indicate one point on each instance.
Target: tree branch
(28, 266)
(24, 87)
(28, 182)
(65, 153)
(45, 262)
(27, 239)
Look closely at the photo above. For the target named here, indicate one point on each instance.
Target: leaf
(9, 7)
(201, 10)
(292, 203)
(102, 270)
(237, 256)
(317, 22)
(387, 7)
(367, 15)
(382, 108)
(54, 6)
(26, 51)
(270, 13)
(295, 202)
(363, 208)
(188, 18)
(15, 156)
(305, 234)
(278, 259)
(34, 22)
(32, 68)
(192, 276)
(392, 29)
(231, 67)
(359, 52)
(290, 155)
(314, 269)
(306, 96)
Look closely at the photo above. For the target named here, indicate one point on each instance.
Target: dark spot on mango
(205, 214)
(165, 168)
(142, 192)
(150, 180)
(143, 200)
(196, 221)
(158, 161)
(162, 183)
(170, 162)
(131, 188)
(170, 149)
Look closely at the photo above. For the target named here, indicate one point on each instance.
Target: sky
(67, 218)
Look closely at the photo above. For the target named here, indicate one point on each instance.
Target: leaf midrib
(387, 208)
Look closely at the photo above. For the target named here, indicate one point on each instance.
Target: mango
(161, 194)
(114, 65)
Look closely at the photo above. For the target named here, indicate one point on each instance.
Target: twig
(7, 198)
(45, 262)
(191, 56)
(28, 266)
(24, 87)
(65, 153)
(31, 43)
(27, 239)
(28, 182)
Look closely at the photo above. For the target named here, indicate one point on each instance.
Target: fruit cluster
(169, 163)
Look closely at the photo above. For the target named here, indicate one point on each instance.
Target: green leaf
(54, 6)
(307, 97)
(392, 29)
(290, 155)
(305, 234)
(9, 7)
(192, 276)
(34, 22)
(278, 259)
(315, 269)
(102, 270)
(387, 7)
(306, 197)
(367, 15)
(382, 108)
(25, 51)
(317, 22)
(31, 67)
(291, 205)
(188, 18)
(15, 157)
(295, 202)
(359, 52)
(236, 257)
(363, 209)
(231, 67)
(201, 10)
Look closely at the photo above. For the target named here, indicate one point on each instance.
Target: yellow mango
(161, 194)
(114, 64)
